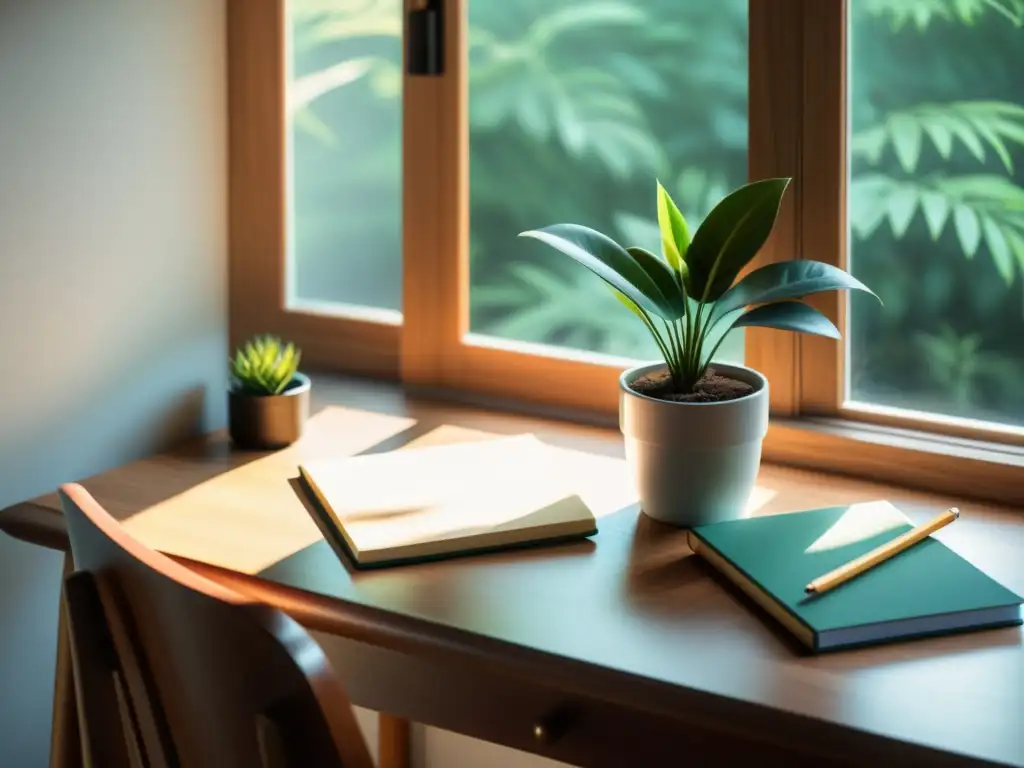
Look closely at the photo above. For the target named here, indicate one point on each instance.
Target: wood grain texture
(823, 220)
(774, 150)
(631, 620)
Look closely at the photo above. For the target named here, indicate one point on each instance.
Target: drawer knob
(549, 729)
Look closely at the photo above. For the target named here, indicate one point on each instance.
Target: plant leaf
(608, 260)
(999, 248)
(675, 234)
(936, 210)
(630, 304)
(789, 316)
(731, 236)
(662, 275)
(906, 140)
(659, 339)
(968, 230)
(974, 124)
(787, 280)
(902, 204)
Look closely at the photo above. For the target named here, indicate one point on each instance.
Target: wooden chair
(172, 669)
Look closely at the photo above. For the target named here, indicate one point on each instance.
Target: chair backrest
(172, 669)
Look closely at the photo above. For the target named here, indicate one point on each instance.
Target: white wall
(112, 290)
(113, 257)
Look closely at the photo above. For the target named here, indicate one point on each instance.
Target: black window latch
(425, 40)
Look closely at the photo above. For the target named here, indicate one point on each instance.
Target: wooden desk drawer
(535, 717)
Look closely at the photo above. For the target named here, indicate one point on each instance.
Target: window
(375, 213)
(936, 211)
(345, 207)
(304, 209)
(575, 106)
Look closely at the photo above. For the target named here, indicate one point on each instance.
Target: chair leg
(394, 742)
(65, 737)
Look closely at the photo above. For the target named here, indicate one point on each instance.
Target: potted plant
(693, 430)
(268, 400)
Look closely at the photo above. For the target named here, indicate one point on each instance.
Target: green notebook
(925, 590)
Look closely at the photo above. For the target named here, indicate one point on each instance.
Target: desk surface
(631, 614)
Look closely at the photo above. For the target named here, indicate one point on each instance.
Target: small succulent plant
(265, 366)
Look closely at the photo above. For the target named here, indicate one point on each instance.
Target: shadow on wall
(29, 589)
(142, 408)
(146, 406)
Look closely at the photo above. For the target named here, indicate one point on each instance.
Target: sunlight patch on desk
(249, 518)
(859, 522)
(603, 482)
(760, 497)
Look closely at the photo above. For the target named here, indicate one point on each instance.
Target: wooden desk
(628, 645)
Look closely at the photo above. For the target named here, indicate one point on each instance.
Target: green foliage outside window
(576, 104)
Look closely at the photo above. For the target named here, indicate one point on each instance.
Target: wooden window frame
(364, 342)
(798, 128)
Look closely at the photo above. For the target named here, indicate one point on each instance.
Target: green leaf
(675, 234)
(629, 303)
(789, 316)
(941, 137)
(662, 275)
(589, 16)
(988, 132)
(659, 338)
(974, 124)
(966, 133)
(867, 203)
(902, 204)
(609, 261)
(906, 140)
(731, 235)
(787, 280)
(263, 366)
(935, 208)
(968, 230)
(999, 248)
(977, 204)
(923, 12)
(1016, 242)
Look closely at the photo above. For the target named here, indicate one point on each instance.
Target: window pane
(344, 104)
(936, 209)
(575, 108)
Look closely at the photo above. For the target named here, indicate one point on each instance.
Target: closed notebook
(441, 501)
(925, 590)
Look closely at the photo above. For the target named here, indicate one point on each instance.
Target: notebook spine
(750, 588)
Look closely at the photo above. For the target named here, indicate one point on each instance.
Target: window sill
(960, 467)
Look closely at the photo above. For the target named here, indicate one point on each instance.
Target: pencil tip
(956, 512)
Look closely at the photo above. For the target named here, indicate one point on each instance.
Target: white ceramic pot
(694, 463)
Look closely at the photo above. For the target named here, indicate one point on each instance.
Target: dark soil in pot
(711, 388)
